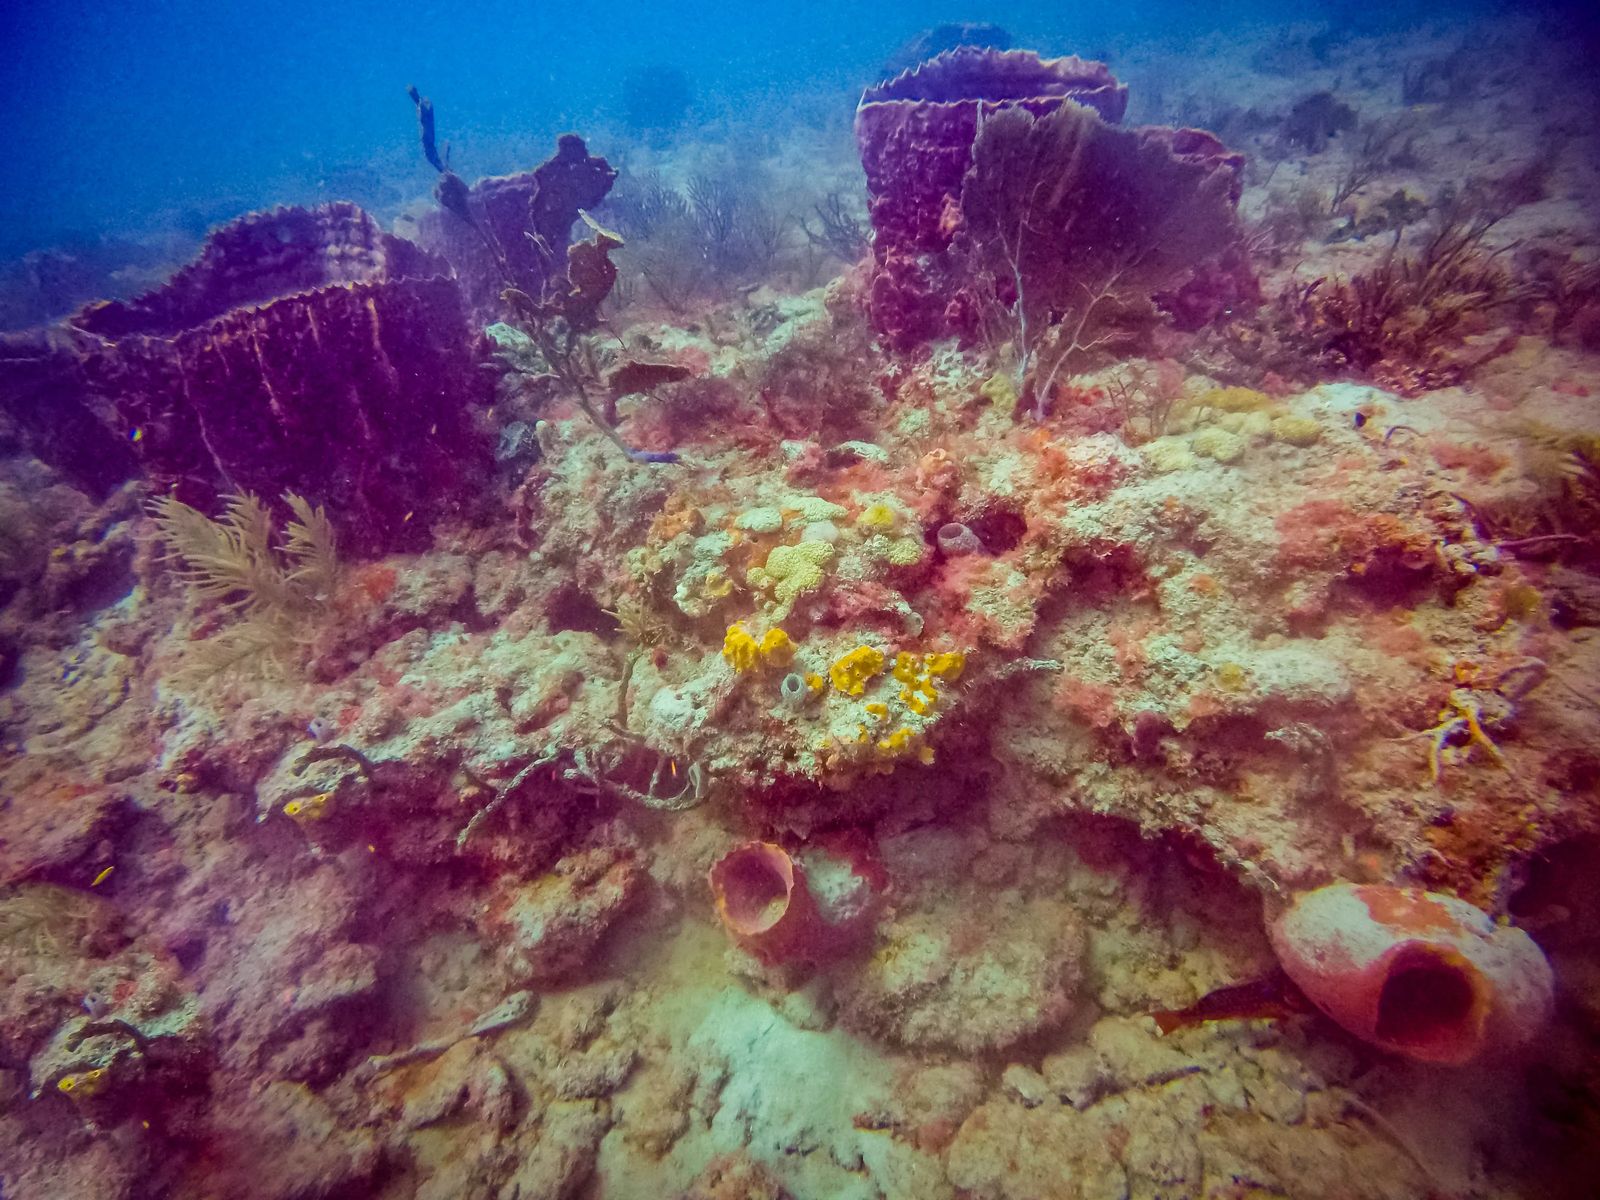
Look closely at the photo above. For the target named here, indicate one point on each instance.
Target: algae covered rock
(966, 981)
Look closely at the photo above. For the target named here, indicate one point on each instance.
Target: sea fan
(260, 648)
(232, 561)
(1070, 227)
(310, 548)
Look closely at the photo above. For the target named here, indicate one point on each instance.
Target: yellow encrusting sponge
(851, 673)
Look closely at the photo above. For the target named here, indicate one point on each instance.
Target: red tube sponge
(762, 898)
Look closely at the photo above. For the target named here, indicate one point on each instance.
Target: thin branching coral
(232, 562)
(1404, 322)
(1555, 514)
(1382, 145)
(639, 623)
(841, 230)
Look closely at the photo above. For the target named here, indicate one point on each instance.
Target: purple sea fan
(1070, 229)
(915, 131)
(1008, 205)
(915, 134)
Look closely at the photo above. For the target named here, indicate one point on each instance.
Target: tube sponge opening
(762, 899)
(755, 893)
(956, 538)
(794, 690)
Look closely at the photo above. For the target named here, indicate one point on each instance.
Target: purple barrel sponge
(915, 131)
(948, 149)
(304, 351)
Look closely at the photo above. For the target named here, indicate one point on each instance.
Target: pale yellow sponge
(1169, 454)
(905, 552)
(1219, 444)
(760, 520)
(792, 571)
(814, 508)
(1000, 390)
(1297, 431)
(1246, 424)
(1233, 399)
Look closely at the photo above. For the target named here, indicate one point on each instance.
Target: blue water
(131, 119)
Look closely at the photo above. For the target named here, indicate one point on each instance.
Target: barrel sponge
(1422, 974)
(762, 898)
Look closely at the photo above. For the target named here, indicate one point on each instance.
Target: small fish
(320, 729)
(137, 434)
(103, 876)
(1272, 999)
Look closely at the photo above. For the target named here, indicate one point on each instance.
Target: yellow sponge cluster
(84, 1084)
(743, 652)
(309, 808)
(879, 518)
(916, 674)
(877, 752)
(851, 673)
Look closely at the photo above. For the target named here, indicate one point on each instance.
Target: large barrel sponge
(304, 351)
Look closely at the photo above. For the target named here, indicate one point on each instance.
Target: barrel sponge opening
(1432, 1002)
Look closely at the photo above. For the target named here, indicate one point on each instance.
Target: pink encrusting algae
(1072, 678)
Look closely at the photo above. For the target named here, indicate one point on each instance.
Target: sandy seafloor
(1050, 869)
